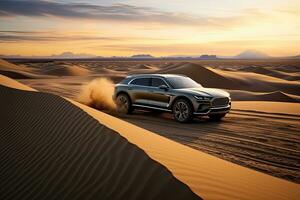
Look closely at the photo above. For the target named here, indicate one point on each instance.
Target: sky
(159, 28)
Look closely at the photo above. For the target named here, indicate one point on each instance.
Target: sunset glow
(160, 28)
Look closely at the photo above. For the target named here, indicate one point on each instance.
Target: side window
(141, 81)
(156, 82)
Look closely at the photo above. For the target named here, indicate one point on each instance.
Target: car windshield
(179, 82)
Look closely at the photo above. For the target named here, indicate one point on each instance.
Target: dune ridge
(199, 73)
(50, 69)
(276, 96)
(259, 83)
(234, 80)
(66, 70)
(16, 71)
(274, 73)
(52, 149)
(10, 66)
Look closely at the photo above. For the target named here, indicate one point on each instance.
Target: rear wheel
(216, 117)
(182, 111)
(124, 104)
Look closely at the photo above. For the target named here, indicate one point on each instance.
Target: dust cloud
(98, 94)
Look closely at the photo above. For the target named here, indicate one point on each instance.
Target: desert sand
(53, 149)
(242, 83)
(261, 132)
(70, 149)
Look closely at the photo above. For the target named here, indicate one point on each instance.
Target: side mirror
(163, 87)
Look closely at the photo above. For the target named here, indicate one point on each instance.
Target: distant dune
(258, 82)
(234, 80)
(274, 73)
(289, 69)
(4, 65)
(200, 74)
(16, 71)
(278, 96)
(52, 69)
(247, 80)
(65, 70)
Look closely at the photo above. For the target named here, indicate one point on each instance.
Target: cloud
(17, 36)
(45, 36)
(295, 10)
(116, 12)
(33, 8)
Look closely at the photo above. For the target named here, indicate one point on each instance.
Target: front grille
(219, 102)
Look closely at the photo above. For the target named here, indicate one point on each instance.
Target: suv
(177, 94)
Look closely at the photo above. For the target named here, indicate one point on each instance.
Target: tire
(216, 117)
(124, 104)
(182, 111)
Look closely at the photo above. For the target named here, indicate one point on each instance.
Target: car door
(159, 97)
(139, 90)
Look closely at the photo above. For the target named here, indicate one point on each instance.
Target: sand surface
(261, 132)
(282, 108)
(51, 149)
(76, 151)
(245, 80)
(269, 143)
(274, 114)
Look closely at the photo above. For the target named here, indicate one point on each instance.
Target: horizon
(69, 54)
(129, 27)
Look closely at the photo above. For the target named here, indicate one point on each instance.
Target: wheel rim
(181, 111)
(123, 104)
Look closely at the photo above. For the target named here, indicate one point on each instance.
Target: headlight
(202, 98)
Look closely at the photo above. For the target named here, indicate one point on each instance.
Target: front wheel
(216, 117)
(124, 104)
(182, 111)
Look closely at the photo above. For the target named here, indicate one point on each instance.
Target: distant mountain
(69, 54)
(251, 54)
(10, 56)
(66, 55)
(208, 57)
(142, 56)
(291, 57)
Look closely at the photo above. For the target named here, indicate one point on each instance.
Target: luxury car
(178, 94)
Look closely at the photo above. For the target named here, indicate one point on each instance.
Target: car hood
(206, 92)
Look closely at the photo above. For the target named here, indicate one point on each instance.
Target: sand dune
(14, 84)
(234, 80)
(49, 70)
(17, 74)
(288, 69)
(209, 177)
(258, 82)
(15, 71)
(246, 81)
(4, 65)
(79, 158)
(52, 149)
(279, 96)
(66, 70)
(274, 73)
(201, 74)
